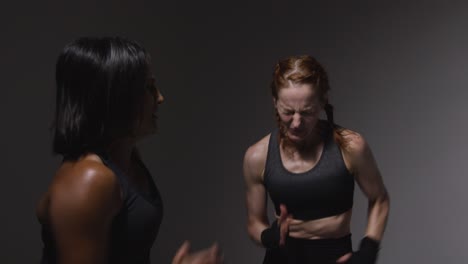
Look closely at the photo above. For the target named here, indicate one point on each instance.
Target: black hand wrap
(367, 253)
(270, 237)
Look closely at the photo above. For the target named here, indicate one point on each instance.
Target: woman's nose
(160, 98)
(296, 121)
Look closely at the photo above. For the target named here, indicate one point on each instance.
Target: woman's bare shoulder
(86, 171)
(258, 151)
(84, 187)
(255, 160)
(354, 141)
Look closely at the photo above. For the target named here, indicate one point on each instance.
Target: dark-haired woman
(102, 205)
(308, 167)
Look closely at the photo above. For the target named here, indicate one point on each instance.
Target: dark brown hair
(305, 70)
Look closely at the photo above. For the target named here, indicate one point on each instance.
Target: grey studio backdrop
(399, 74)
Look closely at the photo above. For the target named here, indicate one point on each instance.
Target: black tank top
(325, 190)
(134, 228)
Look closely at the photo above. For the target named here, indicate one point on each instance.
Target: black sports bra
(325, 190)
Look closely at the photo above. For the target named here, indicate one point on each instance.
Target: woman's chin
(295, 138)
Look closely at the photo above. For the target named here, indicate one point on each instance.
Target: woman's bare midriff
(324, 228)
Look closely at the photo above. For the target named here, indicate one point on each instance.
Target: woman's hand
(283, 223)
(367, 253)
(211, 255)
(344, 258)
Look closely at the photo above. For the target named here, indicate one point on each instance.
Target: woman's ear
(274, 102)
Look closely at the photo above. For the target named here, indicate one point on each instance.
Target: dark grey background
(398, 71)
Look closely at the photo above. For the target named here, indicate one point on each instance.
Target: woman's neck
(307, 147)
(120, 151)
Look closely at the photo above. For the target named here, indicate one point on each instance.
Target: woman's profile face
(299, 108)
(149, 115)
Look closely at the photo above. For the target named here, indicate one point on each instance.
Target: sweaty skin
(298, 107)
(358, 159)
(79, 206)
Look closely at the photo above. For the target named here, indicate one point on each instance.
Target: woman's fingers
(211, 255)
(283, 223)
(216, 254)
(181, 253)
(283, 213)
(283, 232)
(344, 258)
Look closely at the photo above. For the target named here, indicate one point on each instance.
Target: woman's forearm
(377, 217)
(255, 229)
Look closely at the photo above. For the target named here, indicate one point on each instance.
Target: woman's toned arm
(83, 201)
(367, 175)
(359, 159)
(254, 164)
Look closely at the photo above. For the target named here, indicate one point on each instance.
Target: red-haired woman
(308, 167)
